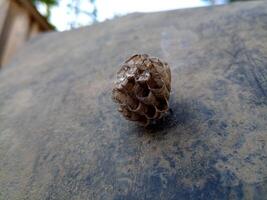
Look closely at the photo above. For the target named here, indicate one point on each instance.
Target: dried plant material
(142, 89)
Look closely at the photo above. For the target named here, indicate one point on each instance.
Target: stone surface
(61, 137)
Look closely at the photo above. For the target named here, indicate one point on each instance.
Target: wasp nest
(142, 89)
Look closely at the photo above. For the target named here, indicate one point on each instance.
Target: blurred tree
(48, 4)
(75, 8)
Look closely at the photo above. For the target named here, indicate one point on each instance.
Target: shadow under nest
(179, 114)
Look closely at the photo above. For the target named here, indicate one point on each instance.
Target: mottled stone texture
(62, 138)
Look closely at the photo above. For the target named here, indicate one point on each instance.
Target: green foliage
(48, 3)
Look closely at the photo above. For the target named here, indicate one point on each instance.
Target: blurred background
(68, 14)
(21, 20)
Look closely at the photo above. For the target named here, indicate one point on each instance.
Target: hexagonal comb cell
(142, 88)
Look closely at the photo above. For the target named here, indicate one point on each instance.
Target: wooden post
(34, 30)
(18, 33)
(4, 24)
(4, 5)
(19, 21)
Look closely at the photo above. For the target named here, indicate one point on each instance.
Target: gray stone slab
(62, 138)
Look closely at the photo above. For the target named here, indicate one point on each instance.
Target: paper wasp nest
(142, 89)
